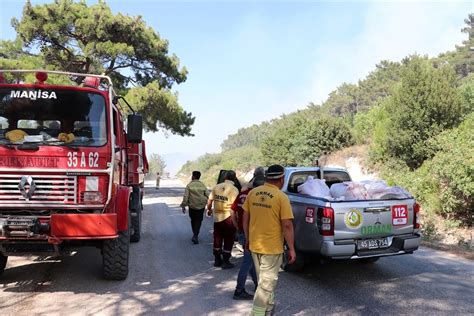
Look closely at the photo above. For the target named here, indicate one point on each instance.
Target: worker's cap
(258, 177)
(230, 175)
(275, 172)
(257, 181)
(259, 171)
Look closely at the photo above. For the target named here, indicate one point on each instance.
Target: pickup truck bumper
(399, 245)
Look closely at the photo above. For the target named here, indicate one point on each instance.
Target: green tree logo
(353, 219)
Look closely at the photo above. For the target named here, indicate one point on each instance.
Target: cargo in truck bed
(366, 228)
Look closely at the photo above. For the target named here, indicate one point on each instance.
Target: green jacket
(195, 195)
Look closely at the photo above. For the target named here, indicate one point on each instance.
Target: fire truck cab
(72, 168)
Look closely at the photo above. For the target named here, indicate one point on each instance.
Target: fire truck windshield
(54, 117)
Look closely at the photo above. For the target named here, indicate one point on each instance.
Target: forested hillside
(415, 115)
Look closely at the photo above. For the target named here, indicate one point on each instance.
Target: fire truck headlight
(91, 197)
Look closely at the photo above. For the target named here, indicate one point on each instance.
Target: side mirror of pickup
(134, 128)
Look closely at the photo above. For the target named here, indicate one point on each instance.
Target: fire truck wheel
(3, 263)
(115, 256)
(136, 223)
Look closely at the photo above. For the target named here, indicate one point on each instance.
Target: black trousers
(196, 220)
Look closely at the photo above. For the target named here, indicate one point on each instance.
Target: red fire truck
(72, 168)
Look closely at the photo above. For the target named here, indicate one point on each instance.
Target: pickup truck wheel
(115, 256)
(3, 263)
(297, 266)
(369, 260)
(136, 223)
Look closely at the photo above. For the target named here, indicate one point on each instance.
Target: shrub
(444, 185)
(453, 169)
(423, 104)
(304, 140)
(466, 91)
(364, 124)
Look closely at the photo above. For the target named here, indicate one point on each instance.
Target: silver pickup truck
(357, 229)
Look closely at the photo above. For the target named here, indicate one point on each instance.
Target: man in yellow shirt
(268, 219)
(223, 196)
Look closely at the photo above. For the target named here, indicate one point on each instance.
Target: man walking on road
(247, 266)
(222, 196)
(158, 178)
(195, 198)
(267, 219)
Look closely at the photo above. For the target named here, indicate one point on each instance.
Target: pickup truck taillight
(326, 221)
(416, 216)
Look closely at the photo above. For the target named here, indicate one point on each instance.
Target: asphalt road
(171, 276)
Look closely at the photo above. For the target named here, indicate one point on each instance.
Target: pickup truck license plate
(372, 243)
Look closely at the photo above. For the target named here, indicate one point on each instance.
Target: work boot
(242, 295)
(227, 265)
(217, 262)
(270, 312)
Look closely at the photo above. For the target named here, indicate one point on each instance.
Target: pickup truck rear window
(298, 178)
(333, 177)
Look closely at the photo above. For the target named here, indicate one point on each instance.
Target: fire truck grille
(37, 190)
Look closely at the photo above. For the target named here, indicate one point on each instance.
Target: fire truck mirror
(134, 128)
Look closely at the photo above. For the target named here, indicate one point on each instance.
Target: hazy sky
(251, 61)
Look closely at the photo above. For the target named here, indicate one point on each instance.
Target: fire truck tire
(3, 263)
(115, 255)
(136, 223)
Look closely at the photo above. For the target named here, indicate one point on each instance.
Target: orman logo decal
(27, 192)
(353, 219)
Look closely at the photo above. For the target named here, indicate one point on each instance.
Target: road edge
(449, 248)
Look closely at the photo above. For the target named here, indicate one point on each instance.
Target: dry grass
(340, 157)
(354, 159)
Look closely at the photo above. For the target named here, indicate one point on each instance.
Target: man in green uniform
(195, 197)
(268, 219)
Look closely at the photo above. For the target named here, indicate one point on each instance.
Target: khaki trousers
(267, 267)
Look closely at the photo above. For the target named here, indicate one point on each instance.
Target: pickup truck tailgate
(372, 219)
